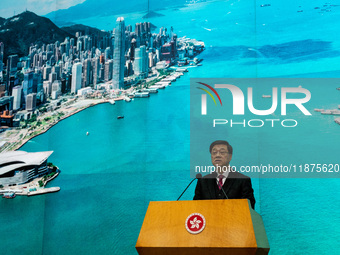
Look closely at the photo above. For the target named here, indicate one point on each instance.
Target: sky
(9, 8)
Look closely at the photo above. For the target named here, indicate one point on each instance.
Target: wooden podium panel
(229, 228)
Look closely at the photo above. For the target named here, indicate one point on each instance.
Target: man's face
(220, 155)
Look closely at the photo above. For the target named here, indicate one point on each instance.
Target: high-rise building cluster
(84, 61)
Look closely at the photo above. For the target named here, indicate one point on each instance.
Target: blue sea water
(109, 177)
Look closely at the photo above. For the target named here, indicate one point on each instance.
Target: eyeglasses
(222, 152)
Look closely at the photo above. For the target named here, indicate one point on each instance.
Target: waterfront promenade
(15, 138)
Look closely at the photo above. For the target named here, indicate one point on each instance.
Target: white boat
(142, 94)
(335, 112)
(162, 83)
(111, 101)
(169, 79)
(326, 112)
(127, 99)
(157, 87)
(181, 70)
(151, 90)
(318, 110)
(9, 195)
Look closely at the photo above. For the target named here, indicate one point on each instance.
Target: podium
(231, 227)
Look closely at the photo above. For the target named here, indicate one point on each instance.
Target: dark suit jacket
(236, 186)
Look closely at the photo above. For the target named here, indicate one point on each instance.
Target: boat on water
(326, 112)
(266, 96)
(127, 99)
(111, 101)
(9, 195)
(87, 133)
(120, 117)
(318, 110)
(142, 94)
(331, 112)
(157, 87)
(335, 112)
(338, 88)
(181, 70)
(151, 90)
(169, 79)
(162, 83)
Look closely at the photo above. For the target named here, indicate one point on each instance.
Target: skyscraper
(76, 77)
(46, 73)
(96, 68)
(31, 102)
(2, 46)
(119, 55)
(47, 87)
(87, 73)
(56, 69)
(132, 49)
(56, 88)
(108, 70)
(52, 77)
(12, 63)
(1, 68)
(27, 84)
(141, 60)
(17, 97)
(79, 45)
(107, 53)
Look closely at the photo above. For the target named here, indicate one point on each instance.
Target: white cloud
(40, 7)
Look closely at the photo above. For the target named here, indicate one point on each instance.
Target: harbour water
(108, 177)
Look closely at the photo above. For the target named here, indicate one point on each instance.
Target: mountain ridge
(72, 29)
(21, 31)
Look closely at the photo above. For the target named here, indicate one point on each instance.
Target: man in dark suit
(235, 185)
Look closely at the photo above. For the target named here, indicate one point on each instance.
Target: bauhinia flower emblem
(195, 223)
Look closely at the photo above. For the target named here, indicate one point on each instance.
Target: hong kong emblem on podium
(195, 223)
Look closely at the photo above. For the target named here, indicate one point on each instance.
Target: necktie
(220, 181)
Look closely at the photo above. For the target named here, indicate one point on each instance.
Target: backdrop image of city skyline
(109, 176)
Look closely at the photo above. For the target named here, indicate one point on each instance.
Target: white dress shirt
(225, 176)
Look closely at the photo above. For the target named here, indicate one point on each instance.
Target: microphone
(219, 185)
(198, 176)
